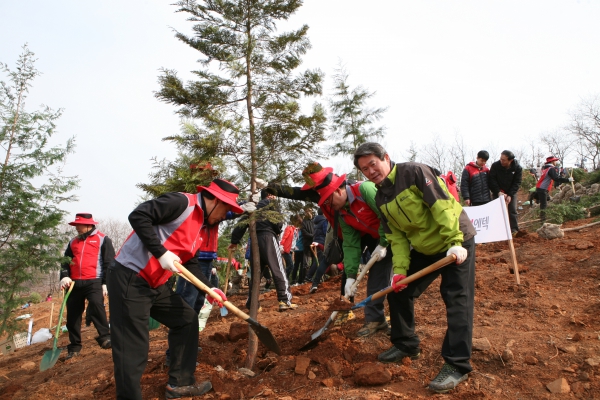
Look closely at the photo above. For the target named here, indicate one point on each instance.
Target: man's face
(373, 168)
(504, 161)
(218, 213)
(81, 229)
(338, 199)
(481, 162)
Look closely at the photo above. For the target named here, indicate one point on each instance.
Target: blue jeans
(189, 292)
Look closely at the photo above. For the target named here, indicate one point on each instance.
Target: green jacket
(352, 236)
(417, 210)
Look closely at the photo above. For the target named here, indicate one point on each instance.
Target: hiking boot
(370, 328)
(394, 354)
(197, 389)
(448, 378)
(343, 317)
(106, 344)
(71, 354)
(284, 306)
(313, 289)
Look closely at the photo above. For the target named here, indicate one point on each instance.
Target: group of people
(404, 215)
(480, 184)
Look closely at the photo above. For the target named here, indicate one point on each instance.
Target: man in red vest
(359, 223)
(165, 230)
(91, 252)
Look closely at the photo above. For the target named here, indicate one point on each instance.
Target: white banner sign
(491, 221)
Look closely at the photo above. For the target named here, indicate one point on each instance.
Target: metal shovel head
(49, 359)
(264, 335)
(314, 338)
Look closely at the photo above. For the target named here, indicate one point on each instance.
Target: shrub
(562, 212)
(35, 298)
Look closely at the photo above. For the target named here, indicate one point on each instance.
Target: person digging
(424, 223)
(354, 206)
(91, 252)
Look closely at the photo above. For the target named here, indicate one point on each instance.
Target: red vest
(360, 216)
(545, 182)
(87, 256)
(181, 236)
(210, 242)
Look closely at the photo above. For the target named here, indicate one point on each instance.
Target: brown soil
(340, 304)
(550, 324)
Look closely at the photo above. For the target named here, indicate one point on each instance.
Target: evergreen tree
(351, 120)
(31, 189)
(246, 99)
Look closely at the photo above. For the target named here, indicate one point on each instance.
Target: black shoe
(197, 389)
(448, 378)
(71, 354)
(313, 289)
(106, 344)
(394, 354)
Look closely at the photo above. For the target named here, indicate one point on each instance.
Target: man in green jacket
(423, 223)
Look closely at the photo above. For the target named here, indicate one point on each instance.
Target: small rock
(578, 337)
(531, 360)
(577, 387)
(246, 371)
(224, 396)
(567, 369)
(28, 365)
(371, 374)
(331, 382)
(267, 392)
(406, 361)
(373, 397)
(550, 231)
(584, 245)
(555, 306)
(481, 344)
(311, 375)
(559, 386)
(584, 376)
(238, 331)
(219, 337)
(593, 361)
(507, 355)
(568, 349)
(333, 368)
(302, 364)
(510, 343)
(218, 368)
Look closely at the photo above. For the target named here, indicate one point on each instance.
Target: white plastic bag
(41, 336)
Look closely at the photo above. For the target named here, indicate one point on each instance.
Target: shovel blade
(49, 359)
(265, 336)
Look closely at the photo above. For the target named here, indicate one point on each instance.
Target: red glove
(397, 278)
(212, 300)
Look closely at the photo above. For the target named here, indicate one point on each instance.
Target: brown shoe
(370, 328)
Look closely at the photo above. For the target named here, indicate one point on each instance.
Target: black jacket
(474, 183)
(507, 180)
(264, 223)
(320, 229)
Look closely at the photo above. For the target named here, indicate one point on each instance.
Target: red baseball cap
(225, 191)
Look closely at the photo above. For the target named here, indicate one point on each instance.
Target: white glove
(104, 291)
(571, 179)
(314, 244)
(249, 207)
(255, 197)
(65, 282)
(379, 252)
(260, 183)
(349, 292)
(460, 253)
(167, 261)
(281, 248)
(214, 271)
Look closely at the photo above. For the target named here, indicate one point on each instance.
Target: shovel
(574, 199)
(262, 332)
(435, 266)
(315, 336)
(51, 356)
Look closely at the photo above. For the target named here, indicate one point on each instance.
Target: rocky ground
(539, 340)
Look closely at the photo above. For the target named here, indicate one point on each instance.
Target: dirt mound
(543, 330)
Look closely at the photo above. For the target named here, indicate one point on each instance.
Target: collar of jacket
(84, 236)
(388, 181)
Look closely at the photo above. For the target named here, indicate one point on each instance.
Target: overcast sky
(498, 73)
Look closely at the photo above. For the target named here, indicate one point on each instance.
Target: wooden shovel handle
(198, 283)
(427, 270)
(229, 257)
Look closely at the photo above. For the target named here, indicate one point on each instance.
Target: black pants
(132, 302)
(299, 270)
(289, 264)
(542, 195)
(92, 291)
(316, 265)
(268, 248)
(457, 290)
